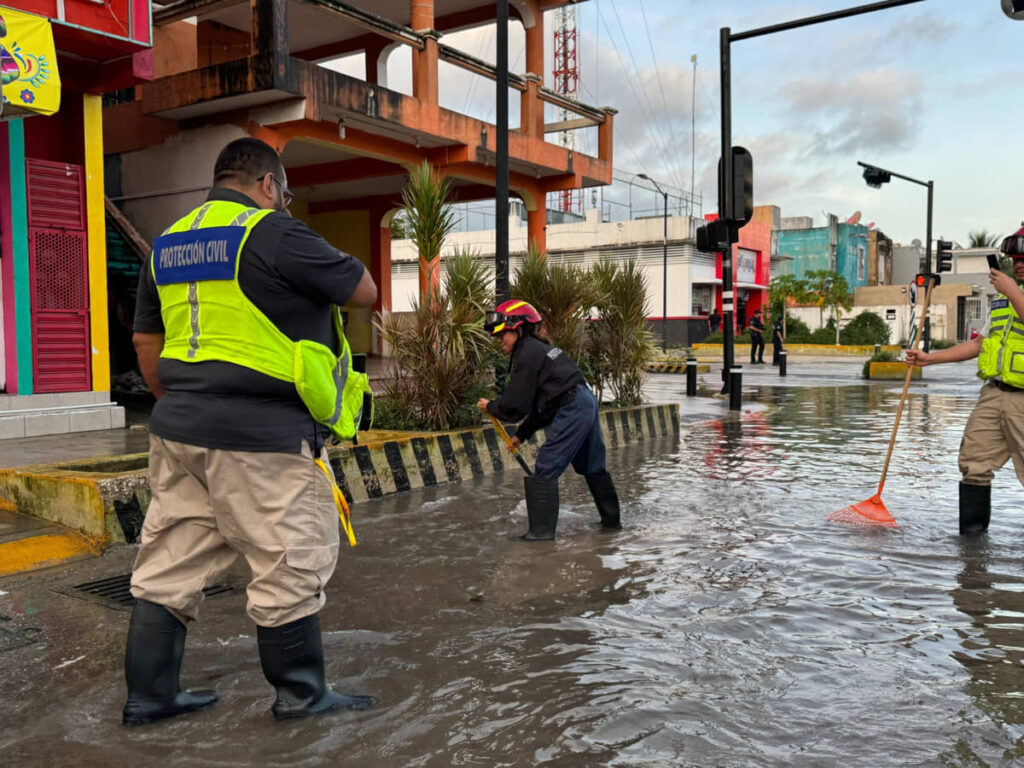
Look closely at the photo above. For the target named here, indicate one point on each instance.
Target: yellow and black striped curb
(674, 368)
(106, 500)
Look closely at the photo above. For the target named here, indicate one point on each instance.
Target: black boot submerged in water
(975, 508)
(152, 663)
(292, 657)
(541, 508)
(607, 500)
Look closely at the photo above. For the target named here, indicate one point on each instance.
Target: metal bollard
(878, 348)
(736, 388)
(782, 362)
(691, 376)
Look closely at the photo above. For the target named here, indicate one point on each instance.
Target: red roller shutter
(59, 277)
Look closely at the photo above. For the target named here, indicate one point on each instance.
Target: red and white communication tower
(567, 83)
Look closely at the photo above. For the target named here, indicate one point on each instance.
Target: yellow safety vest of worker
(207, 317)
(1002, 351)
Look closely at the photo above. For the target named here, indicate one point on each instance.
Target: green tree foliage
(798, 332)
(443, 360)
(782, 290)
(428, 214)
(400, 229)
(563, 294)
(982, 238)
(830, 291)
(619, 343)
(865, 328)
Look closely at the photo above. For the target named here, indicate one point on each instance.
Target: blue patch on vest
(1002, 303)
(197, 254)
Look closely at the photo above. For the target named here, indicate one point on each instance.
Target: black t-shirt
(756, 326)
(541, 374)
(293, 276)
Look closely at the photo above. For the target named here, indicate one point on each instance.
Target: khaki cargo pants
(211, 506)
(994, 433)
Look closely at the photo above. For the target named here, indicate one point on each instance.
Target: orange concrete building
(228, 68)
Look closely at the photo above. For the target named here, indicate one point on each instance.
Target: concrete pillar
(380, 257)
(424, 70)
(536, 225)
(531, 108)
(535, 47)
(421, 13)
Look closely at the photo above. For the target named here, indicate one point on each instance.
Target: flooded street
(728, 625)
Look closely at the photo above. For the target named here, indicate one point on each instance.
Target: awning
(28, 66)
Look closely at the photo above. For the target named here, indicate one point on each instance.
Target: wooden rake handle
(508, 443)
(906, 381)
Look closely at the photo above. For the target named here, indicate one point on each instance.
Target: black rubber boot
(293, 662)
(975, 508)
(607, 500)
(152, 662)
(541, 508)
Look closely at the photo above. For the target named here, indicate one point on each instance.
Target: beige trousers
(994, 433)
(211, 506)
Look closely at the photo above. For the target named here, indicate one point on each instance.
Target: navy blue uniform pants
(574, 437)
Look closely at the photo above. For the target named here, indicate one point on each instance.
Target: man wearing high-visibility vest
(239, 338)
(995, 429)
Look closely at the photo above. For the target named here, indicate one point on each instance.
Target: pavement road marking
(40, 552)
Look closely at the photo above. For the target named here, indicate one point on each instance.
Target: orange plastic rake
(872, 511)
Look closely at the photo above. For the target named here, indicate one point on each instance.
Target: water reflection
(992, 646)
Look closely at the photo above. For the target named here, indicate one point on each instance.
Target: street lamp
(664, 263)
(876, 177)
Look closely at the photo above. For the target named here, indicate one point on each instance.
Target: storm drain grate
(117, 589)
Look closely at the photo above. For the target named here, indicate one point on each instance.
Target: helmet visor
(494, 322)
(1013, 246)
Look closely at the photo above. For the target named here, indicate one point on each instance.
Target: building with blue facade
(842, 248)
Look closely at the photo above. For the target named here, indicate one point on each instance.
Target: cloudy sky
(932, 90)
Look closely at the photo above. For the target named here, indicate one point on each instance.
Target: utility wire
(661, 88)
(657, 123)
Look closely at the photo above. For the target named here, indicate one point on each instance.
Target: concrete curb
(106, 499)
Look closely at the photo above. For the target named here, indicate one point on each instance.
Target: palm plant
(982, 238)
(429, 219)
(442, 358)
(619, 342)
(563, 295)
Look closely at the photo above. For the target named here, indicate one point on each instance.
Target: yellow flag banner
(28, 66)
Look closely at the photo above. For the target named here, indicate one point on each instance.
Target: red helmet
(1013, 245)
(509, 315)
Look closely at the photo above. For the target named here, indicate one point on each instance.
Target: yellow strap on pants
(340, 503)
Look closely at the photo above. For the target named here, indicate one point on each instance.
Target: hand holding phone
(993, 261)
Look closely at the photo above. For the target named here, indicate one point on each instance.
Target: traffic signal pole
(725, 180)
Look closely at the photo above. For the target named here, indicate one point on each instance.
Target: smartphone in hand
(993, 261)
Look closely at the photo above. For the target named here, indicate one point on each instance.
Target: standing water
(727, 625)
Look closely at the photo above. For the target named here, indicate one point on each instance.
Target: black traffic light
(943, 256)
(1014, 8)
(713, 237)
(742, 186)
(876, 177)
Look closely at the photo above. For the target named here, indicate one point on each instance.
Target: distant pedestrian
(756, 339)
(547, 390)
(777, 340)
(714, 321)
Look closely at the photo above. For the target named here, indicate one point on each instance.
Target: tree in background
(830, 291)
(982, 238)
(782, 290)
(429, 219)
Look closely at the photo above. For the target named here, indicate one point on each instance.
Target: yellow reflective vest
(207, 317)
(1002, 351)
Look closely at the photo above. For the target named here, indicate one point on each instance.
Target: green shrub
(883, 356)
(718, 338)
(943, 343)
(865, 328)
(797, 331)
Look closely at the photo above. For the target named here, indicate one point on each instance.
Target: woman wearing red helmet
(995, 429)
(547, 390)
